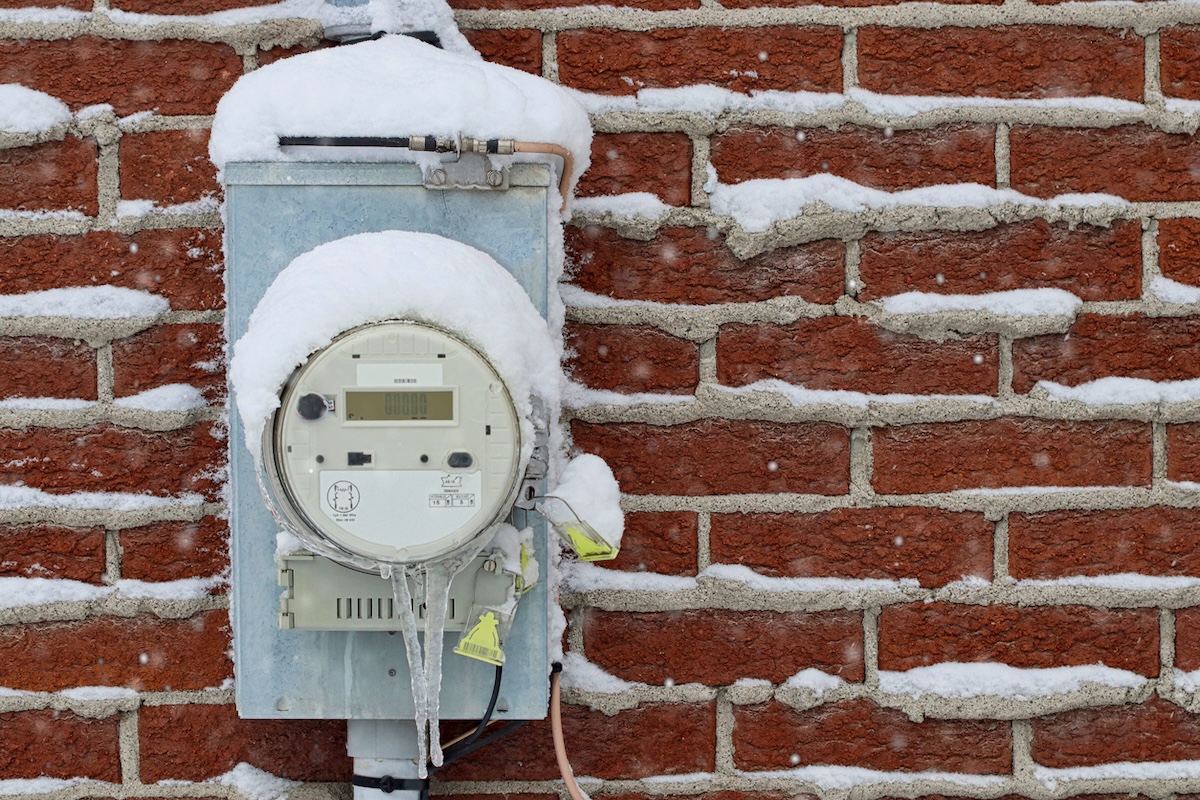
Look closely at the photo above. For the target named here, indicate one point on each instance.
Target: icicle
(437, 600)
(416, 670)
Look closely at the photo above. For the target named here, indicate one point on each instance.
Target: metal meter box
(274, 212)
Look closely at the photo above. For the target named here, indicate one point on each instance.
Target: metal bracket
(535, 472)
(470, 171)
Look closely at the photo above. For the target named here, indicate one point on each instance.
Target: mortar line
(1004, 376)
(853, 263)
(1022, 749)
(703, 540)
(112, 556)
(250, 61)
(127, 739)
(1158, 458)
(862, 467)
(708, 362)
(701, 156)
(1152, 89)
(723, 761)
(550, 55)
(108, 174)
(1150, 253)
(1003, 162)
(104, 373)
(575, 643)
(1000, 550)
(1166, 642)
(871, 648)
(850, 60)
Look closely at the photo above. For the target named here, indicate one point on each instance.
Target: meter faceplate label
(399, 375)
(400, 508)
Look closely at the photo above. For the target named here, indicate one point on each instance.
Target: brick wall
(893, 516)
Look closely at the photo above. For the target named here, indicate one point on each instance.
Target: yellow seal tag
(587, 542)
(482, 641)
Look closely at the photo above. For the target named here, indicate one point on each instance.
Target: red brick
(931, 546)
(1179, 249)
(922, 634)
(1187, 639)
(76, 5)
(168, 167)
(851, 353)
(1148, 541)
(652, 739)
(522, 5)
(1010, 61)
(182, 265)
(871, 157)
(1153, 731)
(41, 551)
(171, 75)
(143, 653)
(1131, 161)
(658, 163)
(622, 62)
(1098, 346)
(52, 176)
(192, 353)
(1183, 452)
(36, 366)
(664, 542)
(632, 358)
(946, 456)
(1180, 73)
(195, 742)
(58, 744)
(716, 456)
(858, 733)
(107, 458)
(169, 551)
(694, 265)
(717, 647)
(519, 48)
(190, 7)
(1091, 262)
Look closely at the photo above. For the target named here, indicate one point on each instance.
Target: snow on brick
(24, 110)
(84, 302)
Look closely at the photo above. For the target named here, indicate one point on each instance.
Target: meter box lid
(397, 442)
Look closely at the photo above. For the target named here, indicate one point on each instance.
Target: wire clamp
(388, 784)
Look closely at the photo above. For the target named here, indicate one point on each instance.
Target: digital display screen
(384, 406)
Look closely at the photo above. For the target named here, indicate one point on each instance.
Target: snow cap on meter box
(394, 86)
(372, 277)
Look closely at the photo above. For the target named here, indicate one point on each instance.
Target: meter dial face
(397, 443)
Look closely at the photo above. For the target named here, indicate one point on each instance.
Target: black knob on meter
(312, 406)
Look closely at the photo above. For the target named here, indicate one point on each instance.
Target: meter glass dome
(396, 443)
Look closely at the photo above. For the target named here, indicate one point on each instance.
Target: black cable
(501, 732)
(344, 141)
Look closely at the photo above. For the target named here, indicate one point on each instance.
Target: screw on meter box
(398, 442)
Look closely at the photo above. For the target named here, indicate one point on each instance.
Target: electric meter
(396, 443)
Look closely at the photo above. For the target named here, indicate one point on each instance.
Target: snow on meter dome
(388, 384)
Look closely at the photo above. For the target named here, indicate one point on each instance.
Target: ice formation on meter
(395, 86)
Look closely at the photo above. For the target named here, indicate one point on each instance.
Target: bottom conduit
(560, 748)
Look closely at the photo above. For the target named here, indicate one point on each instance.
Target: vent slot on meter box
(396, 443)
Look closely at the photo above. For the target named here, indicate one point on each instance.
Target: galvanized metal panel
(273, 213)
